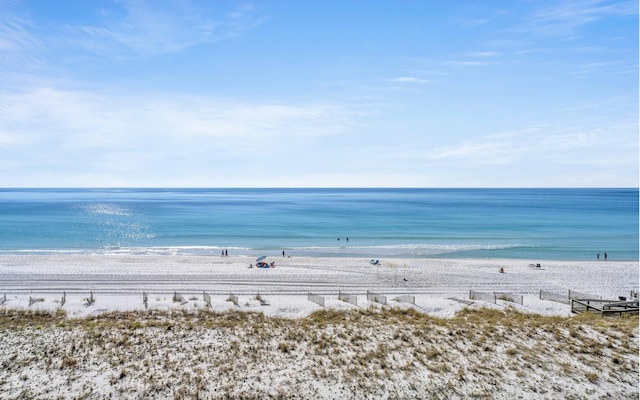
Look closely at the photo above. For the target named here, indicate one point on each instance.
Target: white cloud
(410, 80)
(566, 17)
(14, 34)
(135, 28)
(20, 49)
(74, 122)
(598, 67)
(492, 148)
(467, 63)
(485, 54)
(535, 144)
(544, 156)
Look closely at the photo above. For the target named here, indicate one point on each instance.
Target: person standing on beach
(598, 256)
(282, 253)
(605, 256)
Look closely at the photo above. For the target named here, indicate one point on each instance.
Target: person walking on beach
(282, 253)
(605, 256)
(598, 256)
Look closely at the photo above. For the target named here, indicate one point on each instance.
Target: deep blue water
(503, 223)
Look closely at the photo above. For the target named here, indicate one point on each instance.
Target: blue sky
(318, 93)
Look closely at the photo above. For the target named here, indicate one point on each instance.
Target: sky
(332, 93)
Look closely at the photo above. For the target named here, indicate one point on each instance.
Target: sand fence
(579, 301)
(376, 298)
(559, 297)
(348, 298)
(493, 297)
(407, 298)
(314, 298)
(234, 299)
(566, 297)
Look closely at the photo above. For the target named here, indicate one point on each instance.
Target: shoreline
(343, 253)
(440, 287)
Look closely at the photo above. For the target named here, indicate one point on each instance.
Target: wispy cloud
(533, 143)
(565, 18)
(410, 80)
(475, 59)
(15, 33)
(128, 29)
(33, 52)
(76, 119)
(485, 54)
(20, 48)
(587, 69)
(100, 138)
(158, 28)
(467, 63)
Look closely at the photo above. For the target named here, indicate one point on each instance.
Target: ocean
(533, 224)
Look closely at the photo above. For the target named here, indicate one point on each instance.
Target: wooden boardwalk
(605, 307)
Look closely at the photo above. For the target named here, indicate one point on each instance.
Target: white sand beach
(118, 282)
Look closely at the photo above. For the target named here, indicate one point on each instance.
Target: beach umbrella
(261, 258)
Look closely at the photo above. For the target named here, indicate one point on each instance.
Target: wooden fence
(566, 297)
(234, 299)
(407, 298)
(553, 296)
(262, 300)
(488, 297)
(179, 298)
(574, 294)
(377, 298)
(349, 298)
(319, 300)
(89, 301)
(33, 300)
(514, 298)
(493, 297)
(206, 298)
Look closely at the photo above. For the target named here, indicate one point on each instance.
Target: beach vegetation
(351, 353)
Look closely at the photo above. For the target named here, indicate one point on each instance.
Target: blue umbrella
(261, 258)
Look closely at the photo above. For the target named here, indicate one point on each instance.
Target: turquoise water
(502, 223)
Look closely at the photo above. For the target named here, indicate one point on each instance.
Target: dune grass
(363, 353)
